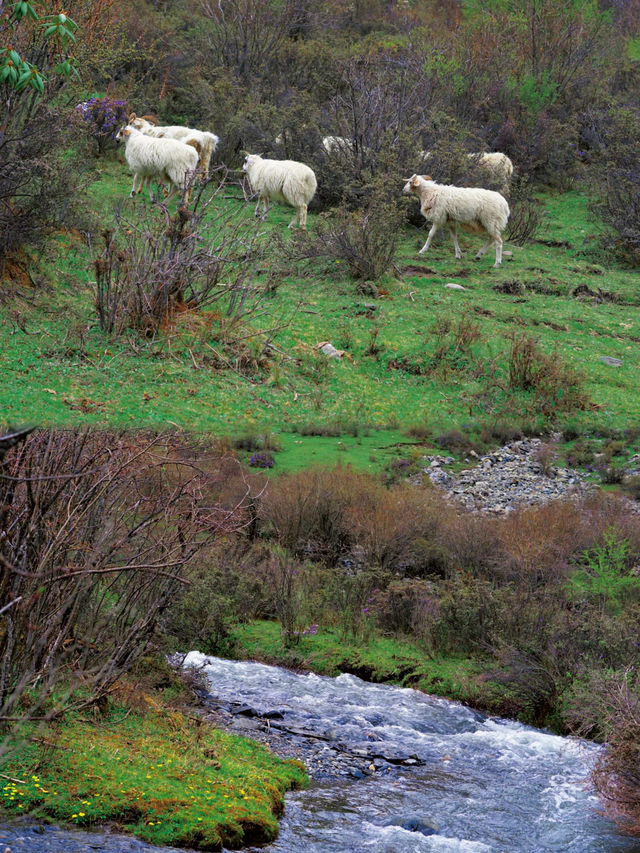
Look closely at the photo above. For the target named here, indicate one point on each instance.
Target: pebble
(27, 837)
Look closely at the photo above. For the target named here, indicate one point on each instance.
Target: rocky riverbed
(324, 754)
(518, 474)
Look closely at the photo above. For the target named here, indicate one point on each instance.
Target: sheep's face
(140, 124)
(412, 185)
(249, 160)
(123, 133)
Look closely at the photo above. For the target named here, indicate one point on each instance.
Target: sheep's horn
(132, 117)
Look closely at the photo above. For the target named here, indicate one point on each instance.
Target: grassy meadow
(417, 354)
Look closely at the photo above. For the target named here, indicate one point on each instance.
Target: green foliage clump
(605, 579)
(158, 774)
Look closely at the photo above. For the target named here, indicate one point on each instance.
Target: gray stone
(612, 362)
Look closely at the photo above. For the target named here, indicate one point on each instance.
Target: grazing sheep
(330, 144)
(206, 140)
(162, 159)
(337, 145)
(472, 208)
(492, 166)
(286, 181)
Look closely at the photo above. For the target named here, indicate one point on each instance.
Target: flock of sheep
(174, 154)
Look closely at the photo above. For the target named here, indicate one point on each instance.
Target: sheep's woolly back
(333, 144)
(207, 141)
(166, 158)
(281, 180)
(483, 209)
(498, 165)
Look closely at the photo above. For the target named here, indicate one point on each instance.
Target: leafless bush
(154, 265)
(617, 773)
(526, 214)
(551, 383)
(364, 240)
(97, 530)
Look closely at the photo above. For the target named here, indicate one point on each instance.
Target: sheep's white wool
(162, 159)
(333, 144)
(494, 166)
(207, 141)
(286, 181)
(473, 208)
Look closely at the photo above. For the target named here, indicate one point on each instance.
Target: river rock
(412, 823)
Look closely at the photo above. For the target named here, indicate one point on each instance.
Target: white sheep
(162, 159)
(337, 145)
(330, 144)
(470, 207)
(286, 181)
(207, 141)
(493, 166)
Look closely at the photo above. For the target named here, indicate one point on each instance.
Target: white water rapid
(477, 785)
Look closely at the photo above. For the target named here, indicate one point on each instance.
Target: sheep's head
(412, 185)
(123, 133)
(249, 160)
(415, 183)
(138, 123)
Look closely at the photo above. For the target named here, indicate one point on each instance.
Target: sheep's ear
(132, 117)
(259, 155)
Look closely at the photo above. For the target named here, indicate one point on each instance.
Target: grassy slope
(151, 772)
(65, 371)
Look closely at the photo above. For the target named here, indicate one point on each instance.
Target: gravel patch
(506, 479)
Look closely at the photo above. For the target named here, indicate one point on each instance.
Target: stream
(397, 771)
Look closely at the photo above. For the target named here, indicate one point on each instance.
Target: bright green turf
(65, 371)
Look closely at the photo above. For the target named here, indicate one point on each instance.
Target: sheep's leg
(431, 235)
(454, 234)
(498, 242)
(132, 194)
(300, 218)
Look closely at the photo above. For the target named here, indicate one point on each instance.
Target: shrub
(619, 185)
(102, 118)
(99, 528)
(550, 383)
(155, 266)
(365, 240)
(605, 578)
(617, 773)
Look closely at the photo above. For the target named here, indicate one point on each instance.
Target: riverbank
(380, 661)
(149, 766)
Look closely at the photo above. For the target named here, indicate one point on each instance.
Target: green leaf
(50, 30)
(14, 56)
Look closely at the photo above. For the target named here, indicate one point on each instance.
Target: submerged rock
(412, 823)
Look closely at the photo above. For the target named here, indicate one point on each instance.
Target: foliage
(98, 530)
(35, 64)
(103, 117)
(606, 579)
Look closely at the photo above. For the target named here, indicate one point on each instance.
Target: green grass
(65, 371)
(156, 774)
(378, 659)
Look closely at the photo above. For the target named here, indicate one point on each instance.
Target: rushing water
(486, 785)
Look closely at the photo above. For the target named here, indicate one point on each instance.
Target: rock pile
(512, 476)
